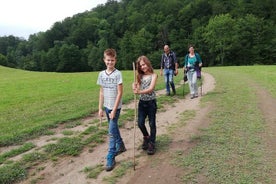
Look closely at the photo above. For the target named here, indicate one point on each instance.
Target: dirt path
(267, 104)
(68, 170)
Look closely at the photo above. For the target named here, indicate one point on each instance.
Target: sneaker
(168, 94)
(151, 149)
(192, 96)
(120, 149)
(110, 162)
(145, 143)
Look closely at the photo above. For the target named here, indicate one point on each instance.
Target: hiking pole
(135, 114)
(201, 86)
(184, 82)
(200, 83)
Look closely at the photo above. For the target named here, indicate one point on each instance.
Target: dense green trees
(236, 32)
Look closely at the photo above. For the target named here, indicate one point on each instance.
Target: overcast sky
(24, 17)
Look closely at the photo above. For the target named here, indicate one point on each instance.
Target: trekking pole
(183, 83)
(135, 116)
(101, 120)
(201, 84)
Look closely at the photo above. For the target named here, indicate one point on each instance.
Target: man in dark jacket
(169, 68)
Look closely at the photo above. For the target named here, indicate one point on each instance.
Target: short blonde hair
(110, 52)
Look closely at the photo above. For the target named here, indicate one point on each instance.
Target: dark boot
(145, 143)
(151, 148)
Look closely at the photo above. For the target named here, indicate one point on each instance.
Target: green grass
(14, 152)
(12, 173)
(118, 172)
(93, 172)
(230, 150)
(33, 102)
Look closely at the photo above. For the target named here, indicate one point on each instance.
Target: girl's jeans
(113, 131)
(192, 78)
(147, 108)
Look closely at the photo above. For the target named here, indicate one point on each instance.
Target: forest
(223, 32)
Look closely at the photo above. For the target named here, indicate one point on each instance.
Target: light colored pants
(192, 79)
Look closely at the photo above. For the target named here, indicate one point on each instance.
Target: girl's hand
(135, 88)
(134, 85)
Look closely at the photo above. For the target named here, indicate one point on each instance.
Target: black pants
(147, 109)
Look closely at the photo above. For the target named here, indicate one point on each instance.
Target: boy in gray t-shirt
(110, 98)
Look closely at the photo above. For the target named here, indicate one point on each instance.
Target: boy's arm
(101, 98)
(117, 101)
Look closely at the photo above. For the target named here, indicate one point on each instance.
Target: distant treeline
(224, 32)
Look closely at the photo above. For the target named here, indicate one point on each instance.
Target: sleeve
(198, 58)
(185, 61)
(99, 79)
(120, 78)
(162, 63)
(174, 57)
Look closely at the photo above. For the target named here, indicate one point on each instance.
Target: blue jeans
(113, 131)
(168, 77)
(147, 108)
(192, 78)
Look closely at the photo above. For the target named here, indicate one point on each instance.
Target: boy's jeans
(113, 131)
(147, 108)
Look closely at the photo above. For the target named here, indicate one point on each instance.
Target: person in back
(192, 63)
(169, 68)
(110, 97)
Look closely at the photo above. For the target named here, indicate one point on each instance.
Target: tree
(3, 60)
(220, 35)
(125, 54)
(69, 59)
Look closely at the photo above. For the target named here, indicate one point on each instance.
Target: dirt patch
(267, 104)
(159, 168)
(152, 169)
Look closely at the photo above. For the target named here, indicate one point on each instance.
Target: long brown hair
(140, 73)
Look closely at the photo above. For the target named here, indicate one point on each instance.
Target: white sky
(24, 17)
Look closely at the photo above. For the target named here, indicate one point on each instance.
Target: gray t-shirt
(110, 83)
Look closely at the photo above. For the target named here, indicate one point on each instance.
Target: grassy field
(230, 150)
(32, 102)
